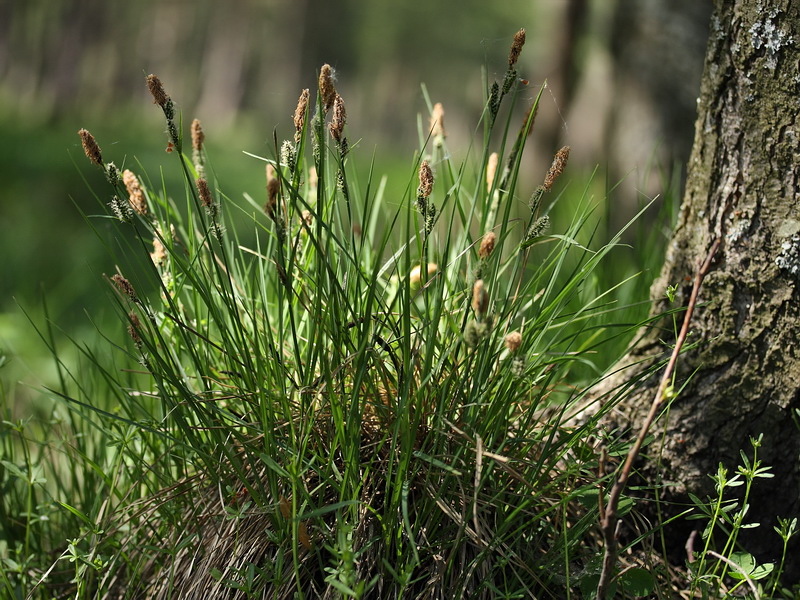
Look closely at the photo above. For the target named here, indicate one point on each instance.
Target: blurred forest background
(622, 78)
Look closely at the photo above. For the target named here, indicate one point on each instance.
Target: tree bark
(743, 186)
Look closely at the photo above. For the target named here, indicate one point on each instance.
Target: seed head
(415, 276)
(327, 90)
(123, 212)
(90, 147)
(198, 136)
(437, 123)
(513, 341)
(157, 90)
(159, 253)
(494, 100)
(339, 117)
(288, 155)
(536, 199)
(541, 225)
(124, 286)
(516, 48)
(480, 298)
(474, 332)
(112, 174)
(491, 170)
(135, 193)
(425, 180)
(133, 328)
(273, 187)
(487, 245)
(557, 168)
(300, 114)
(205, 193)
(518, 366)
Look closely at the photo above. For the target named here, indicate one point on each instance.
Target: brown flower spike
(133, 329)
(124, 286)
(513, 341)
(300, 113)
(516, 48)
(425, 180)
(198, 135)
(487, 245)
(339, 117)
(157, 90)
(135, 193)
(437, 121)
(273, 187)
(90, 147)
(205, 193)
(327, 90)
(557, 168)
(480, 298)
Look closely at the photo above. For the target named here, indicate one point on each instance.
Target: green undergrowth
(339, 387)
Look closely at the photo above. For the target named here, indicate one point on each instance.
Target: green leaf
(77, 513)
(437, 463)
(638, 582)
(744, 561)
(14, 470)
(762, 571)
(588, 584)
(273, 465)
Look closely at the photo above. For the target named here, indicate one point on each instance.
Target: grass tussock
(332, 388)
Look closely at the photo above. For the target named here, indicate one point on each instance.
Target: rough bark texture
(744, 186)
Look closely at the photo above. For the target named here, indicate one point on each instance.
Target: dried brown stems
(609, 517)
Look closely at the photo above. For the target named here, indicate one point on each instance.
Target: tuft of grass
(336, 388)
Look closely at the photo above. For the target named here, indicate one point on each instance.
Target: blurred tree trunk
(743, 186)
(657, 50)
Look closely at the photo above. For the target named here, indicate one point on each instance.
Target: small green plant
(712, 572)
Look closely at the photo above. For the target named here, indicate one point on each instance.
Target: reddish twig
(608, 521)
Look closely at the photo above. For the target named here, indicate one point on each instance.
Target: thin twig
(608, 521)
(736, 567)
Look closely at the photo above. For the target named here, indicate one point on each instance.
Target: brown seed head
(157, 90)
(135, 193)
(308, 218)
(339, 117)
(159, 253)
(425, 180)
(480, 299)
(557, 168)
(513, 341)
(437, 121)
(327, 90)
(90, 147)
(487, 244)
(300, 112)
(205, 193)
(133, 328)
(198, 135)
(415, 275)
(124, 286)
(516, 48)
(491, 170)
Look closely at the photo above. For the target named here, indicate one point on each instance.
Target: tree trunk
(743, 186)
